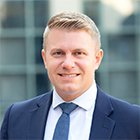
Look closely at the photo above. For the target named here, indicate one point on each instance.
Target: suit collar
(102, 125)
(38, 116)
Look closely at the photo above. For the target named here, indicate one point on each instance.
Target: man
(71, 53)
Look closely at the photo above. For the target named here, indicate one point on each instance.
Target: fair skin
(71, 58)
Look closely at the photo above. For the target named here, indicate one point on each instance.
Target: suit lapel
(38, 116)
(102, 125)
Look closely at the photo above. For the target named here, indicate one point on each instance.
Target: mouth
(69, 75)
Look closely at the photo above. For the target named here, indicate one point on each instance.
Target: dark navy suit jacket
(113, 119)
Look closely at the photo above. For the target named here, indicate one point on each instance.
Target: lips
(69, 75)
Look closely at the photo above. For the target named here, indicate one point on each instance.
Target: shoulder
(31, 104)
(125, 115)
(20, 111)
(120, 107)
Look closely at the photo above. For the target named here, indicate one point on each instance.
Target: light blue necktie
(62, 127)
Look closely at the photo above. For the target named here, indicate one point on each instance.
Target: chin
(69, 90)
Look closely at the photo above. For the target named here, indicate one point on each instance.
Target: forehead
(65, 37)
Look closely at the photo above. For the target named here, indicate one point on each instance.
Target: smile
(69, 75)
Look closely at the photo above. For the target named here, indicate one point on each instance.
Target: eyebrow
(55, 49)
(80, 49)
(73, 50)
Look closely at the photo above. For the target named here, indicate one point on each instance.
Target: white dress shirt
(80, 118)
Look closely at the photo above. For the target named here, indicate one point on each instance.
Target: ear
(99, 56)
(44, 58)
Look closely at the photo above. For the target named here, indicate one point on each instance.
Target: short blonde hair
(72, 21)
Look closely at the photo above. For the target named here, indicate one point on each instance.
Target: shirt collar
(85, 101)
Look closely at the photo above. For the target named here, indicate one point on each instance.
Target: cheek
(49, 62)
(52, 66)
(88, 65)
(51, 72)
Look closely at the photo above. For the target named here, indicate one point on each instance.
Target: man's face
(71, 59)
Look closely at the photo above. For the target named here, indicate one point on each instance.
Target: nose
(68, 62)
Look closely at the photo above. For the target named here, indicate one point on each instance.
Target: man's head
(71, 53)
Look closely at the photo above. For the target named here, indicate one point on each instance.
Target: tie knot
(68, 107)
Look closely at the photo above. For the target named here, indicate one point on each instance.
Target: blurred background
(22, 22)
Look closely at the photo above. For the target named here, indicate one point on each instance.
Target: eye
(57, 53)
(79, 53)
